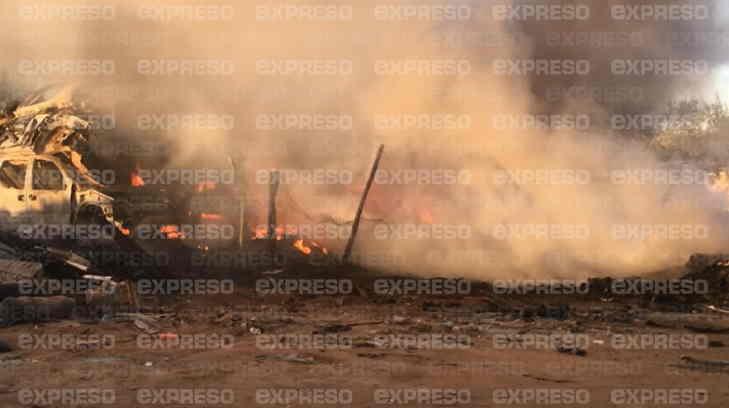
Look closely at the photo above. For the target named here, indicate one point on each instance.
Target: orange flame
(299, 244)
(205, 186)
(136, 180)
(171, 231)
(425, 216)
(261, 232)
(211, 217)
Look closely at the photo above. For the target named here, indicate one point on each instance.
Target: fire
(205, 186)
(425, 216)
(211, 217)
(720, 182)
(299, 244)
(136, 180)
(261, 232)
(171, 231)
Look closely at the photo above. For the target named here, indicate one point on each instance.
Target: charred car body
(44, 181)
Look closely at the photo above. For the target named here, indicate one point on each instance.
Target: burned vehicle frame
(44, 142)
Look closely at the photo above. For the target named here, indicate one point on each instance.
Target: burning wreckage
(56, 211)
(60, 217)
(50, 197)
(45, 183)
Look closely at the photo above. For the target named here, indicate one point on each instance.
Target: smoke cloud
(447, 92)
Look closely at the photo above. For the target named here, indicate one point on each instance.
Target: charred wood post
(355, 224)
(238, 170)
(273, 191)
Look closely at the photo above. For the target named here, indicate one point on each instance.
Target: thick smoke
(699, 36)
(585, 218)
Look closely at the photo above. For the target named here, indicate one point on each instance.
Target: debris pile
(44, 283)
(713, 269)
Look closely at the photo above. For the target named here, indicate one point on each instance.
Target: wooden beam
(272, 192)
(358, 216)
(238, 167)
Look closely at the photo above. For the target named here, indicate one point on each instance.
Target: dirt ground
(380, 350)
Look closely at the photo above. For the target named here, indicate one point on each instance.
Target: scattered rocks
(333, 328)
(572, 350)
(712, 366)
(146, 326)
(291, 358)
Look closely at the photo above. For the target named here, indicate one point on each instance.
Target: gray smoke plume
(495, 219)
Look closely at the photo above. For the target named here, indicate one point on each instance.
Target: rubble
(35, 309)
(714, 269)
(371, 355)
(572, 350)
(343, 327)
(13, 271)
(689, 362)
(46, 125)
(7, 252)
(545, 379)
(146, 325)
(95, 344)
(710, 363)
(69, 258)
(291, 358)
(333, 328)
(708, 327)
(698, 323)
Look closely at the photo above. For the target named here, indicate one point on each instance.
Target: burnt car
(44, 179)
(51, 176)
(49, 189)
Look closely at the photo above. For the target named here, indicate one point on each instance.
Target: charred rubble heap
(46, 124)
